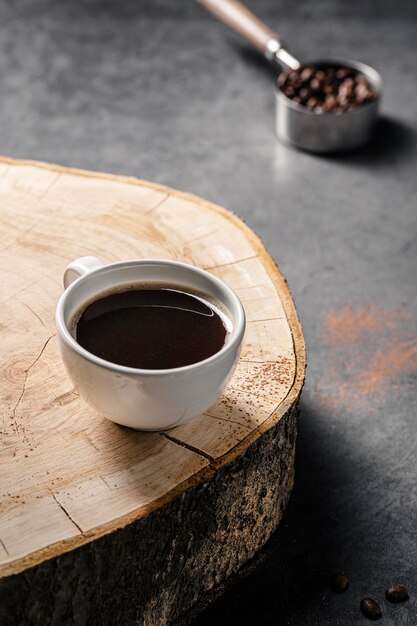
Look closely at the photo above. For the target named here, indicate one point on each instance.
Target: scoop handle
(240, 19)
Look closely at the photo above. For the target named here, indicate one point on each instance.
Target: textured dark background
(160, 90)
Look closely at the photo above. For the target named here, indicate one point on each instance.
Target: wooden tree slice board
(99, 523)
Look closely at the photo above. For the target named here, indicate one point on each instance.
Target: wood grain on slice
(69, 477)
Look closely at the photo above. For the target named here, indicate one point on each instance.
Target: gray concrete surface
(159, 90)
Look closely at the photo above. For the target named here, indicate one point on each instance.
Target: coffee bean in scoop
(327, 89)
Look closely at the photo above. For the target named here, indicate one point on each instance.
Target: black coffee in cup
(152, 327)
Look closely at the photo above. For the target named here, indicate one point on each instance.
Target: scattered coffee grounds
(370, 609)
(152, 328)
(339, 582)
(396, 593)
(331, 89)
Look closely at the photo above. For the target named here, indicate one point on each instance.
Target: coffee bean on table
(370, 609)
(339, 582)
(396, 593)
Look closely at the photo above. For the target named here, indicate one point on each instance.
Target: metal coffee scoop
(295, 123)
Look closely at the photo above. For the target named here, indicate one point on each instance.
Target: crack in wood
(34, 312)
(66, 512)
(209, 234)
(158, 204)
(229, 263)
(206, 456)
(229, 421)
(105, 482)
(6, 171)
(15, 423)
(266, 319)
(50, 186)
(4, 547)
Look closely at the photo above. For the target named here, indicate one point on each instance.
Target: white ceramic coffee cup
(141, 398)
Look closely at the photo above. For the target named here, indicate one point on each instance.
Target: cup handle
(79, 267)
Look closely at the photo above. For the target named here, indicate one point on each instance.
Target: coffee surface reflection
(158, 327)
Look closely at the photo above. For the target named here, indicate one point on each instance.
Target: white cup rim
(239, 321)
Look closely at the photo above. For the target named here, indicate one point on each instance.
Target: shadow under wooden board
(96, 515)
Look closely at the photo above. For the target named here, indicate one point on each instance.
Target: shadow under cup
(140, 398)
